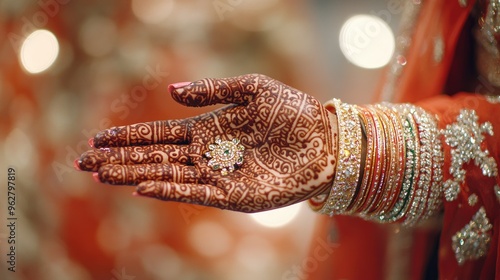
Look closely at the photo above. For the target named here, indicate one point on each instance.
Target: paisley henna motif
(290, 150)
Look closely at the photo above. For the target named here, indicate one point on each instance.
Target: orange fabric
(458, 213)
(423, 77)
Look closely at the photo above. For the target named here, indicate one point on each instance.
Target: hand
(288, 136)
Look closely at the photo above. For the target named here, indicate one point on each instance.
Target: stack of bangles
(389, 166)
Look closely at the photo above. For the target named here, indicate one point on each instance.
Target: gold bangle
(385, 180)
(396, 152)
(346, 178)
(411, 166)
(369, 129)
(380, 174)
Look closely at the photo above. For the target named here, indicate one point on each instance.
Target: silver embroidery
(451, 190)
(462, 3)
(493, 99)
(497, 192)
(465, 138)
(491, 27)
(472, 241)
(438, 49)
(473, 199)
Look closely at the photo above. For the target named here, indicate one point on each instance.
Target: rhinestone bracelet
(349, 159)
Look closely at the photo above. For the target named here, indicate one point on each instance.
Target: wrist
(346, 130)
(388, 164)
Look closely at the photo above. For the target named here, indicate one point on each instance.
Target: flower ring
(225, 155)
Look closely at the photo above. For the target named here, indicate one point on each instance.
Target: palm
(289, 148)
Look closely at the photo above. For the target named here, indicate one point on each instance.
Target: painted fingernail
(172, 87)
(91, 142)
(76, 164)
(95, 175)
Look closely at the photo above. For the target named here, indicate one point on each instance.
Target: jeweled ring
(225, 155)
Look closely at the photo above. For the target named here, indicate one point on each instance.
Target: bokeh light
(152, 11)
(277, 218)
(98, 36)
(367, 41)
(39, 51)
(210, 239)
(19, 149)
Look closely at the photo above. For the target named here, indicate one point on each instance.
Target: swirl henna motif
(289, 139)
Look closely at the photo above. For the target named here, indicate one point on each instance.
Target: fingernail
(76, 164)
(172, 87)
(141, 191)
(135, 194)
(91, 142)
(95, 175)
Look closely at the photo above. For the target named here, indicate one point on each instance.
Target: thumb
(237, 90)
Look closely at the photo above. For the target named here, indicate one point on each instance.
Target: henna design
(207, 195)
(117, 174)
(218, 91)
(157, 132)
(290, 150)
(93, 159)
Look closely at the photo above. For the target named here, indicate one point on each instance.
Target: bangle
(349, 159)
(428, 132)
(383, 189)
(380, 165)
(402, 117)
(368, 126)
(393, 187)
(403, 164)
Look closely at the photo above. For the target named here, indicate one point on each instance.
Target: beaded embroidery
(473, 199)
(490, 27)
(465, 138)
(493, 99)
(497, 192)
(438, 49)
(472, 241)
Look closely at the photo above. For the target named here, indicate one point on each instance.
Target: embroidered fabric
(465, 138)
(472, 241)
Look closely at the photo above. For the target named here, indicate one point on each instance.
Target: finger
(207, 195)
(157, 153)
(238, 90)
(134, 174)
(157, 132)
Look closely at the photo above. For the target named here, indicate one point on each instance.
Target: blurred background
(71, 68)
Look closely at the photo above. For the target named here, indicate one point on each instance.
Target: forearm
(407, 167)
